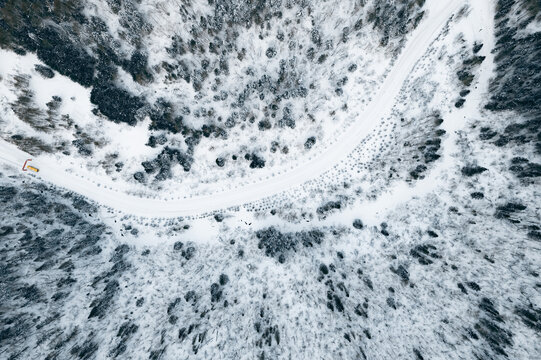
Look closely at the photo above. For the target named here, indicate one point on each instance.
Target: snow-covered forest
(270, 179)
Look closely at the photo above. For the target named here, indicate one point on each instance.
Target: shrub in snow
(44, 71)
(472, 170)
(358, 224)
(310, 142)
(257, 162)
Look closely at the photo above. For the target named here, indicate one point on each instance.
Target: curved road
(377, 110)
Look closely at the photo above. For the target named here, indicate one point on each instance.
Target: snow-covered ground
(409, 230)
(231, 193)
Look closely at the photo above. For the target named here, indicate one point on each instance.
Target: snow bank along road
(378, 109)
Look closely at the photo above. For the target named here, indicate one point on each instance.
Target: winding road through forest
(380, 107)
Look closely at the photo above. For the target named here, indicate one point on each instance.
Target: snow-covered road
(378, 109)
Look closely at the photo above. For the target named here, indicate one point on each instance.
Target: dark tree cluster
(277, 244)
(52, 235)
(162, 165)
(430, 149)
(63, 38)
(517, 84)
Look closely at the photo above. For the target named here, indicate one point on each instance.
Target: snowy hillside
(270, 179)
